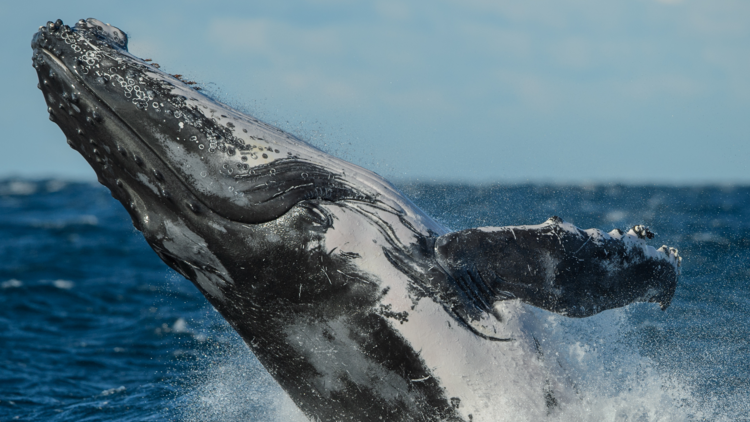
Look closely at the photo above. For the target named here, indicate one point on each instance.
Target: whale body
(359, 305)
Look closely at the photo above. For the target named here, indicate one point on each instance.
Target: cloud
(296, 59)
(273, 38)
(148, 49)
(392, 10)
(322, 86)
(531, 55)
(509, 43)
(662, 85)
(573, 52)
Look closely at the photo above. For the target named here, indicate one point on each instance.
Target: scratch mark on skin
(355, 384)
(584, 244)
(356, 278)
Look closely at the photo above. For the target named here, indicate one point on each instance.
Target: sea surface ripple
(93, 326)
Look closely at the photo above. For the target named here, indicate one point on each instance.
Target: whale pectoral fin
(559, 267)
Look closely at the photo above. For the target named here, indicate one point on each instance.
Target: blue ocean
(93, 326)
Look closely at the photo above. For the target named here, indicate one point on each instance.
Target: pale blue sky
(472, 90)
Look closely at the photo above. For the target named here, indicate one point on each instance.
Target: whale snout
(105, 32)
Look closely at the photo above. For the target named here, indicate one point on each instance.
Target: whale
(357, 303)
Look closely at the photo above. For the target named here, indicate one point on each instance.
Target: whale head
(148, 134)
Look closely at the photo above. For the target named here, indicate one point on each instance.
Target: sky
(543, 91)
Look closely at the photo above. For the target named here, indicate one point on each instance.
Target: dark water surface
(93, 326)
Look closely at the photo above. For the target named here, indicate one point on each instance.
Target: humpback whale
(358, 304)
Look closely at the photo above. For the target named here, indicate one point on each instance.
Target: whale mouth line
(78, 82)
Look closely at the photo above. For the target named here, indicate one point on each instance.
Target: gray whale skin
(357, 303)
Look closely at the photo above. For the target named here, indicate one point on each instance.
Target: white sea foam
(612, 380)
(179, 326)
(55, 185)
(12, 283)
(63, 284)
(229, 384)
(111, 391)
(18, 187)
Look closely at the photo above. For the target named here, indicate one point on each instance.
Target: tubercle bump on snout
(122, 163)
(88, 124)
(635, 236)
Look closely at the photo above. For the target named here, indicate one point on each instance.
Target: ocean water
(93, 326)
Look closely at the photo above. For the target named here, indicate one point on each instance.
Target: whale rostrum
(358, 304)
